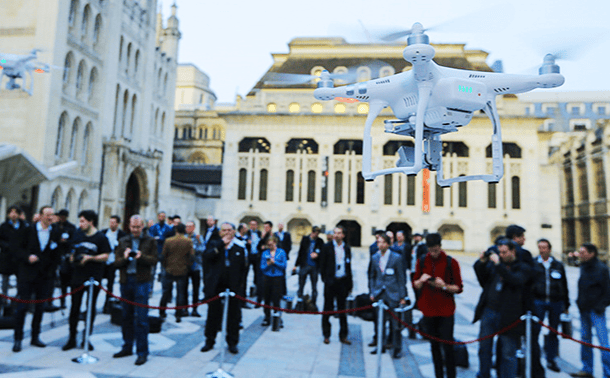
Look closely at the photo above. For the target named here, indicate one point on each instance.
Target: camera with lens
(132, 255)
(78, 254)
(490, 250)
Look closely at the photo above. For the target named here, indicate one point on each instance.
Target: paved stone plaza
(296, 351)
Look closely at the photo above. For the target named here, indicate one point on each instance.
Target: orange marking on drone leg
(426, 191)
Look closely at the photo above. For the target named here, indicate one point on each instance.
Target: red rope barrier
(18, 300)
(304, 312)
(158, 307)
(452, 342)
(565, 336)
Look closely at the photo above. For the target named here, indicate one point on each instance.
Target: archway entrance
(132, 200)
(299, 227)
(353, 231)
(453, 237)
(400, 226)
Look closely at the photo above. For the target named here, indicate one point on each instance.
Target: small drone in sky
(428, 101)
(15, 66)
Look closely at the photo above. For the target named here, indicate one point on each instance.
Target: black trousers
(214, 320)
(195, 277)
(274, 289)
(110, 276)
(41, 288)
(77, 300)
(336, 291)
(441, 327)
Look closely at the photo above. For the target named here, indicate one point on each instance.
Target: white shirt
(43, 235)
(339, 259)
(383, 260)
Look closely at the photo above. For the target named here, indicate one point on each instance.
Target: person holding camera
(437, 277)
(135, 256)
(90, 250)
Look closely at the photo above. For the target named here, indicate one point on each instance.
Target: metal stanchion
(528, 317)
(221, 373)
(381, 306)
(85, 358)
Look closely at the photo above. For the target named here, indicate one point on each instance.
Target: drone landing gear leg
(496, 153)
(367, 153)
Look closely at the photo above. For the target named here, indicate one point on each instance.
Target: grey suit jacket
(393, 279)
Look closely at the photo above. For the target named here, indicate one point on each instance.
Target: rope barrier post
(381, 307)
(225, 313)
(528, 317)
(85, 358)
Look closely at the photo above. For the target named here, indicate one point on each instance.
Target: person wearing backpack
(437, 277)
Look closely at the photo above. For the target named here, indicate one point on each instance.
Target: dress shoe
(552, 365)
(265, 323)
(17, 346)
(37, 343)
(82, 346)
(122, 353)
(178, 319)
(141, 360)
(195, 314)
(207, 347)
(71, 344)
(345, 341)
(162, 314)
(582, 374)
(233, 349)
(326, 340)
(374, 351)
(373, 343)
(397, 354)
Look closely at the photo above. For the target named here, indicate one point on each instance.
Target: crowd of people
(51, 250)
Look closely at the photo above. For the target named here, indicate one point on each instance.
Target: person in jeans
(550, 291)
(273, 269)
(503, 278)
(177, 257)
(308, 262)
(438, 278)
(593, 298)
(135, 256)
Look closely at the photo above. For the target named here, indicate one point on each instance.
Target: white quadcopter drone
(15, 66)
(429, 101)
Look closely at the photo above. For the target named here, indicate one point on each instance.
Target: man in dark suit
(113, 233)
(336, 272)
(67, 230)
(38, 262)
(135, 256)
(308, 262)
(285, 239)
(387, 282)
(225, 259)
(12, 236)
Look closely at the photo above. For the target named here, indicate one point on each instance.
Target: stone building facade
(110, 109)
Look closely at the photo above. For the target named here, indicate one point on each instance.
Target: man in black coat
(336, 272)
(37, 262)
(308, 262)
(226, 265)
(67, 231)
(12, 237)
(113, 233)
(285, 239)
(503, 278)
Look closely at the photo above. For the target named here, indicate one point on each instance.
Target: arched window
(338, 187)
(515, 182)
(491, 195)
(162, 124)
(136, 62)
(134, 101)
(60, 134)
(156, 130)
(79, 75)
(289, 185)
(125, 109)
(311, 186)
(74, 138)
(165, 84)
(121, 49)
(360, 188)
(85, 25)
(69, 200)
(97, 28)
(67, 67)
(462, 194)
(262, 192)
(81, 201)
(72, 15)
(116, 109)
(128, 59)
(91, 87)
(55, 198)
(410, 190)
(85, 154)
(387, 189)
(241, 187)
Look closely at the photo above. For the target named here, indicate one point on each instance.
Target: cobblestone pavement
(296, 350)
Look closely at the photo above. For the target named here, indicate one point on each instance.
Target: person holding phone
(273, 268)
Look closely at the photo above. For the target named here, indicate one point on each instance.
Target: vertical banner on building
(426, 190)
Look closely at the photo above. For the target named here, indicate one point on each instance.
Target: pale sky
(232, 41)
